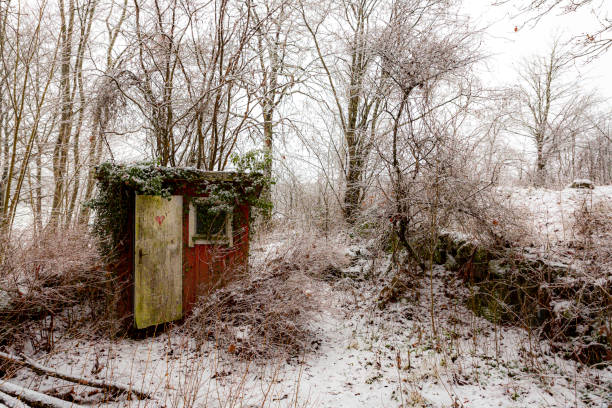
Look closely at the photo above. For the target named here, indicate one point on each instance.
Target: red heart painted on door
(160, 219)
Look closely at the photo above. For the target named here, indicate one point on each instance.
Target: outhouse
(178, 233)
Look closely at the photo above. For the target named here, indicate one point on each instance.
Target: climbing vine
(245, 187)
(118, 184)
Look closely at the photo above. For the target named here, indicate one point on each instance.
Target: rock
(497, 268)
(582, 183)
(5, 299)
(480, 262)
(451, 264)
(465, 252)
(450, 242)
(402, 288)
(439, 256)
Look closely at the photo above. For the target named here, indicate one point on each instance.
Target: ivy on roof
(117, 184)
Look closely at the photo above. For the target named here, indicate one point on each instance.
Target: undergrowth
(266, 312)
(50, 285)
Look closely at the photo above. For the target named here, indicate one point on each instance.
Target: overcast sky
(508, 47)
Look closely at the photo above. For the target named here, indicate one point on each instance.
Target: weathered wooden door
(158, 259)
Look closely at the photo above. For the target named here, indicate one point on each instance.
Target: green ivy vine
(117, 185)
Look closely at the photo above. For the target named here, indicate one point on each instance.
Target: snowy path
(354, 366)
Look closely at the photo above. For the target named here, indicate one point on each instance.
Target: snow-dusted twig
(11, 402)
(114, 387)
(34, 397)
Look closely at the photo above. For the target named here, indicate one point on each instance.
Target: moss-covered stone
(451, 264)
(439, 257)
(465, 252)
(513, 289)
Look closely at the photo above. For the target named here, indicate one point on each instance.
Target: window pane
(208, 223)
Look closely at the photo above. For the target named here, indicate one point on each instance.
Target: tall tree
(355, 84)
(106, 100)
(75, 16)
(186, 78)
(277, 70)
(27, 70)
(427, 70)
(554, 108)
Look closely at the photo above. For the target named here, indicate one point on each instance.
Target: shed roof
(132, 171)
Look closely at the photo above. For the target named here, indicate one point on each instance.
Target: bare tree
(430, 91)
(106, 100)
(75, 16)
(25, 80)
(221, 94)
(591, 44)
(185, 78)
(355, 83)
(277, 70)
(589, 154)
(158, 43)
(554, 108)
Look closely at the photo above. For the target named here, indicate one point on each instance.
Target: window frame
(196, 239)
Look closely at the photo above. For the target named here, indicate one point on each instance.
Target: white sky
(508, 47)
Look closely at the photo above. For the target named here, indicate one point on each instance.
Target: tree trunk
(266, 194)
(60, 150)
(112, 387)
(540, 176)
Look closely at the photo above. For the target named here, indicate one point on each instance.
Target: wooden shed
(176, 245)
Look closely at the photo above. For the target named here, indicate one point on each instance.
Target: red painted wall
(207, 267)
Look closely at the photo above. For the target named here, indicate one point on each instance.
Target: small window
(208, 226)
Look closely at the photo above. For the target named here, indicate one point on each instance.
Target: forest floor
(359, 355)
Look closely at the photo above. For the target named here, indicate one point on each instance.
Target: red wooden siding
(206, 267)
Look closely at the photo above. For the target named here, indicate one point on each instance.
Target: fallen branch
(35, 398)
(10, 402)
(112, 387)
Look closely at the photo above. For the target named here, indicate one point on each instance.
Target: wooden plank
(158, 253)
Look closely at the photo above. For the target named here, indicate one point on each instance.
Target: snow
(561, 306)
(362, 356)
(551, 213)
(356, 364)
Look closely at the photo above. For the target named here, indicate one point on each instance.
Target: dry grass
(594, 236)
(266, 312)
(591, 309)
(52, 283)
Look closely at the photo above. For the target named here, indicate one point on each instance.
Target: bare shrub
(266, 312)
(594, 236)
(590, 288)
(54, 281)
(565, 301)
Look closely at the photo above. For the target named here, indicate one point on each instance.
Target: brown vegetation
(267, 311)
(53, 283)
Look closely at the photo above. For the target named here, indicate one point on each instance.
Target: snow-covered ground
(361, 356)
(551, 213)
(364, 357)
